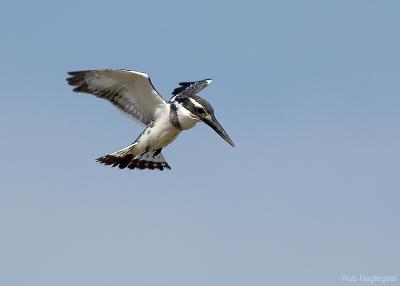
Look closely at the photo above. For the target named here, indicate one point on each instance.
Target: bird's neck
(180, 117)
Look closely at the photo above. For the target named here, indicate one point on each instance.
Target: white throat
(185, 118)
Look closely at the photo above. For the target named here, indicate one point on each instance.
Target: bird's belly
(164, 138)
(156, 137)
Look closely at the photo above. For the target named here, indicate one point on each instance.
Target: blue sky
(308, 91)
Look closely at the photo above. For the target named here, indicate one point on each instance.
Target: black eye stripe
(200, 110)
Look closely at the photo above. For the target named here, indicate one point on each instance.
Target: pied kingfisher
(133, 93)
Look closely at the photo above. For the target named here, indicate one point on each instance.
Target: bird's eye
(200, 110)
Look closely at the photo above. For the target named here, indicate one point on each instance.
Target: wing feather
(189, 88)
(130, 91)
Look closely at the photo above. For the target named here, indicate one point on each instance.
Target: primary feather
(132, 92)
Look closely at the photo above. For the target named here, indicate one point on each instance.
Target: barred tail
(124, 158)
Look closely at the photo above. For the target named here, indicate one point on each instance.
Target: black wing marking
(187, 88)
(130, 91)
(182, 87)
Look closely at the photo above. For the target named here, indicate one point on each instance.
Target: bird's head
(203, 111)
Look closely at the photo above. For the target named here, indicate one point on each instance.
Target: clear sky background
(308, 90)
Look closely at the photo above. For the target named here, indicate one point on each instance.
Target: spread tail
(125, 158)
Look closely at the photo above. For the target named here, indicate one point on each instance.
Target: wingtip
(74, 73)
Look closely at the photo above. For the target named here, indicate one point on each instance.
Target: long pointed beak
(214, 124)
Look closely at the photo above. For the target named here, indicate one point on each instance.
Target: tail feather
(123, 158)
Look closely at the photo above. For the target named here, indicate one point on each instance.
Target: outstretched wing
(132, 92)
(190, 88)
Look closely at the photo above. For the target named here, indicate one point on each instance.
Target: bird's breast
(157, 135)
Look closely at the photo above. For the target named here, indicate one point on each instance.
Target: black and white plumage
(133, 93)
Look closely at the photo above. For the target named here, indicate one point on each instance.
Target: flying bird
(134, 94)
